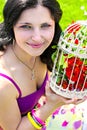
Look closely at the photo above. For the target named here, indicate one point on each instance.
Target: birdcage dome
(69, 74)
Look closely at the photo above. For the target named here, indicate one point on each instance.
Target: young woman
(29, 30)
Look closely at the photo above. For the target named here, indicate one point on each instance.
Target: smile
(35, 45)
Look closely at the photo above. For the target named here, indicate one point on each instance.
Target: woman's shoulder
(5, 60)
(7, 92)
(3, 68)
(6, 87)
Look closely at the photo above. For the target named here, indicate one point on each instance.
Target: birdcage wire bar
(70, 79)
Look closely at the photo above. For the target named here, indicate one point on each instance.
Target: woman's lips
(36, 45)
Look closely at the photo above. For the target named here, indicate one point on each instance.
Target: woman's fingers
(52, 96)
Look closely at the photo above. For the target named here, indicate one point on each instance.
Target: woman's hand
(56, 100)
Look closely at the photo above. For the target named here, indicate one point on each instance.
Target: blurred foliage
(72, 10)
(1, 9)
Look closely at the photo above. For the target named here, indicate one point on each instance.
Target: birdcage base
(67, 93)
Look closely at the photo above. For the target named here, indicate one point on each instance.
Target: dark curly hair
(11, 12)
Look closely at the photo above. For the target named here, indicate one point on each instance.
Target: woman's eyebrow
(25, 23)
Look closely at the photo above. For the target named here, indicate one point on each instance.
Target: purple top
(28, 102)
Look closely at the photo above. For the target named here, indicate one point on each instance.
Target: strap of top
(11, 80)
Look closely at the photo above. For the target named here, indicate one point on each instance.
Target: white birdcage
(69, 74)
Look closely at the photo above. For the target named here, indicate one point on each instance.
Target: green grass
(71, 11)
(1, 8)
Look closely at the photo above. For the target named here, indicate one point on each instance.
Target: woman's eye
(45, 25)
(26, 27)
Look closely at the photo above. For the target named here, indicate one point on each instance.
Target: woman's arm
(53, 101)
(9, 112)
(10, 117)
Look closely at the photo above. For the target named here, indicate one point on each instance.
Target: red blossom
(70, 61)
(84, 69)
(73, 28)
(79, 86)
(74, 73)
(76, 41)
(65, 84)
(85, 87)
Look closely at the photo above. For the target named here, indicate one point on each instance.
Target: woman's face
(34, 31)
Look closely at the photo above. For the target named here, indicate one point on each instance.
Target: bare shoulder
(8, 105)
(6, 87)
(8, 102)
(7, 90)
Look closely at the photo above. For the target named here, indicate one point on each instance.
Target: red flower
(70, 61)
(73, 73)
(84, 69)
(73, 28)
(79, 87)
(76, 41)
(64, 84)
(85, 87)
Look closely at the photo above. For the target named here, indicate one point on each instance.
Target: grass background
(1, 8)
(72, 10)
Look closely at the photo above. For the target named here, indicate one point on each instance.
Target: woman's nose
(37, 35)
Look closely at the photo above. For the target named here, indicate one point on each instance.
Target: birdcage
(69, 74)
